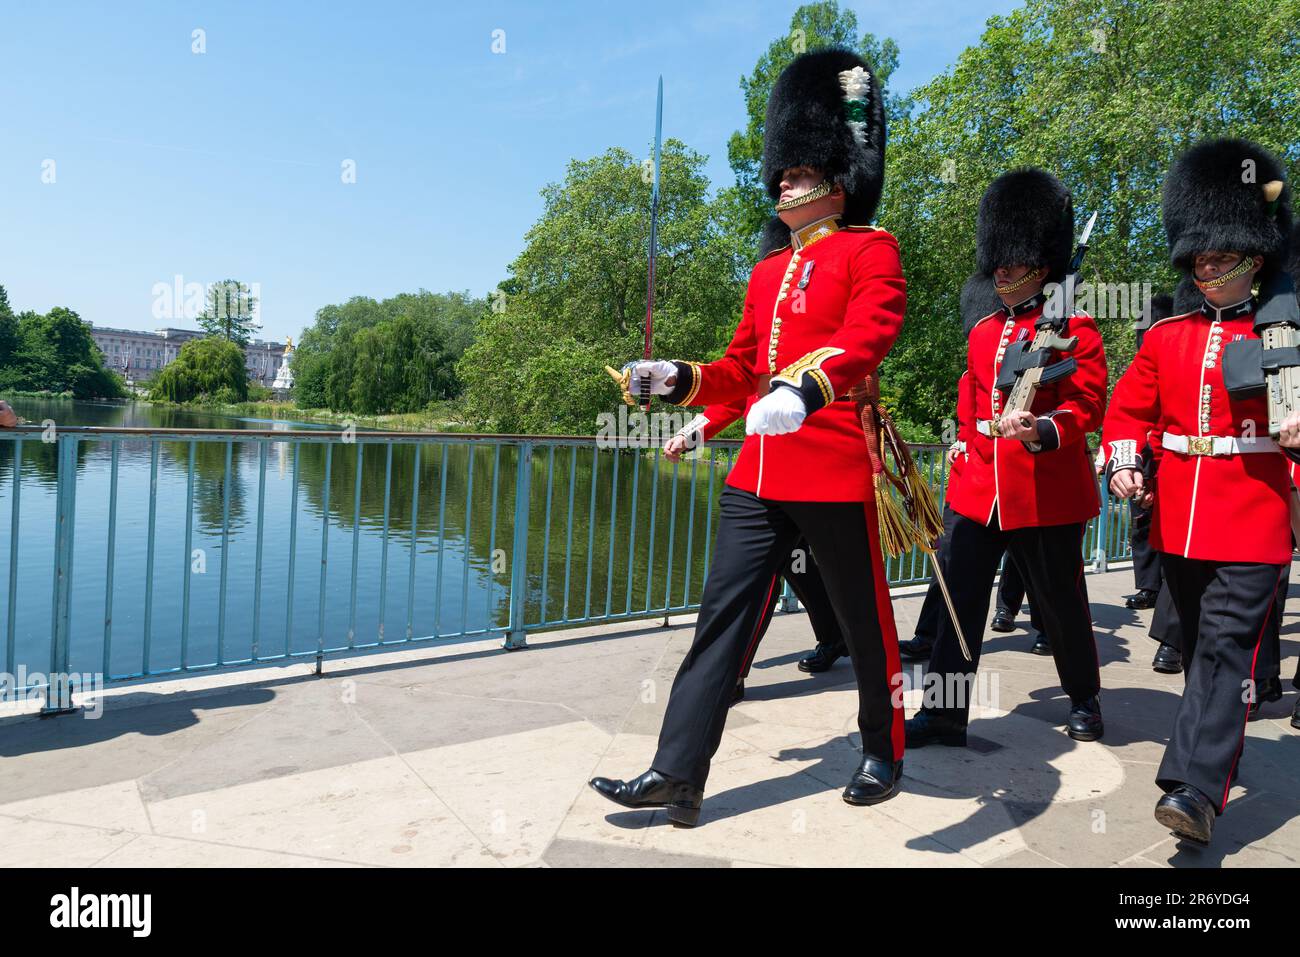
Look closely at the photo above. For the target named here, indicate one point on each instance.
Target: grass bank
(442, 417)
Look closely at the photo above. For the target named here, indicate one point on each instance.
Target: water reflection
(428, 538)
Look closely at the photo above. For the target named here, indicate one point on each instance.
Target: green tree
(8, 330)
(230, 312)
(398, 355)
(53, 353)
(1103, 93)
(576, 296)
(207, 370)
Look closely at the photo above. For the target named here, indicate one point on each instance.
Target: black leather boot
(874, 781)
(1188, 813)
(931, 726)
(915, 649)
(1002, 621)
(1295, 716)
(1168, 660)
(1145, 598)
(821, 659)
(1041, 646)
(1084, 723)
(652, 790)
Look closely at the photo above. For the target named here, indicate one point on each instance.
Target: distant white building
(136, 355)
(140, 355)
(263, 361)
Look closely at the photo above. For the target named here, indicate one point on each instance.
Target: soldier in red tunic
(978, 298)
(819, 315)
(1027, 486)
(1221, 491)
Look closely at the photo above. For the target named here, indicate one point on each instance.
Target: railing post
(517, 638)
(1103, 527)
(788, 600)
(58, 696)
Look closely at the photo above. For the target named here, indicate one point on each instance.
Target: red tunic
(1220, 508)
(1054, 486)
(722, 414)
(819, 318)
(965, 425)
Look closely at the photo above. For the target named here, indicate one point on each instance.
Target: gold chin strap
(1236, 272)
(817, 192)
(1032, 276)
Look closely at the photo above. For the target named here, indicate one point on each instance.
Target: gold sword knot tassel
(623, 378)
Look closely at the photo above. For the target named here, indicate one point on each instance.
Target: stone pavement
(467, 755)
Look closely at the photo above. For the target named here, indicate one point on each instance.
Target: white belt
(1217, 445)
(985, 427)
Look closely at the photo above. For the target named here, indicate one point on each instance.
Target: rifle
(1027, 365)
(1271, 363)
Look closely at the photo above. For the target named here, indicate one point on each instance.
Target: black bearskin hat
(1160, 306)
(1026, 218)
(1187, 297)
(775, 235)
(978, 299)
(1218, 196)
(820, 116)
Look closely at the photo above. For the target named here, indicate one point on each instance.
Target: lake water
(593, 562)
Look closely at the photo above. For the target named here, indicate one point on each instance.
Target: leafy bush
(207, 370)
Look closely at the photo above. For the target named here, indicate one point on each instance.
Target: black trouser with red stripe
(755, 538)
(932, 606)
(1011, 591)
(805, 580)
(1051, 557)
(1166, 628)
(1011, 594)
(1228, 610)
(1146, 560)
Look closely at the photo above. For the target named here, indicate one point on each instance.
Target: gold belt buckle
(1200, 445)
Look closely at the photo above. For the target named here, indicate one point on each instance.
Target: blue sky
(228, 163)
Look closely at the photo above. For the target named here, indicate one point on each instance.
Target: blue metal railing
(574, 557)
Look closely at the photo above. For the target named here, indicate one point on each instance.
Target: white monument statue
(283, 383)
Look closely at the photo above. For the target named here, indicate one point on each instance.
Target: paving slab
(469, 755)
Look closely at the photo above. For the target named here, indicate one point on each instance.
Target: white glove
(658, 371)
(780, 411)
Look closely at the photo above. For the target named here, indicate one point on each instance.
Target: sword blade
(659, 127)
(654, 243)
(952, 612)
